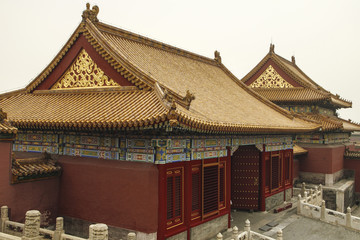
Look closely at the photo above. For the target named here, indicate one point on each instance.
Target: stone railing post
(302, 191)
(98, 231)
(131, 236)
(32, 225)
(305, 197)
(317, 198)
(321, 192)
(219, 236)
(59, 230)
(4, 217)
(247, 228)
(298, 210)
(322, 210)
(279, 235)
(235, 232)
(348, 217)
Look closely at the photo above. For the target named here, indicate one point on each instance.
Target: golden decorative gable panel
(84, 73)
(270, 79)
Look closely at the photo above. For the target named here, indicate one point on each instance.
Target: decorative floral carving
(84, 73)
(270, 79)
(32, 224)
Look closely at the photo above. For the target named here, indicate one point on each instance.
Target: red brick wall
(354, 164)
(328, 159)
(296, 167)
(118, 193)
(40, 195)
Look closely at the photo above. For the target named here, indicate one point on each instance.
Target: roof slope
(180, 87)
(307, 90)
(67, 109)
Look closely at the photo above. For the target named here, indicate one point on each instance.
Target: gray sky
(324, 35)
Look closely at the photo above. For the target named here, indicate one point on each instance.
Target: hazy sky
(324, 35)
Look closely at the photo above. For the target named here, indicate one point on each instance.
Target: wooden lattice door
(245, 178)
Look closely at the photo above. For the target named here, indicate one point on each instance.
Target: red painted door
(245, 178)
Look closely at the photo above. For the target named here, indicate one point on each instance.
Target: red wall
(354, 164)
(328, 159)
(118, 193)
(39, 195)
(296, 167)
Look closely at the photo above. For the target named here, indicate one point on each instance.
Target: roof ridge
(153, 43)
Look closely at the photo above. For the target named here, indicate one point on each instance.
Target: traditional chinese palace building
(147, 137)
(285, 84)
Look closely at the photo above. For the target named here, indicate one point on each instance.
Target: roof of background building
(306, 91)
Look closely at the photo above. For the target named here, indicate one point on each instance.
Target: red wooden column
(262, 169)
(228, 184)
(162, 202)
(187, 196)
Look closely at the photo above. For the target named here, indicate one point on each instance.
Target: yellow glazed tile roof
(5, 126)
(352, 154)
(30, 168)
(221, 103)
(108, 109)
(296, 94)
(327, 123)
(297, 150)
(311, 90)
(350, 126)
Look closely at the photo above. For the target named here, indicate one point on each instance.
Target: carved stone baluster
(131, 236)
(59, 228)
(305, 197)
(302, 191)
(4, 217)
(98, 231)
(279, 235)
(348, 217)
(298, 210)
(32, 225)
(235, 232)
(322, 211)
(247, 228)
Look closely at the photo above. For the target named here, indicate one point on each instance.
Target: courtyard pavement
(293, 226)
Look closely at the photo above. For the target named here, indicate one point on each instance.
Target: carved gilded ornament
(270, 79)
(84, 73)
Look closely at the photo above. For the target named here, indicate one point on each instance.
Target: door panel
(245, 178)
